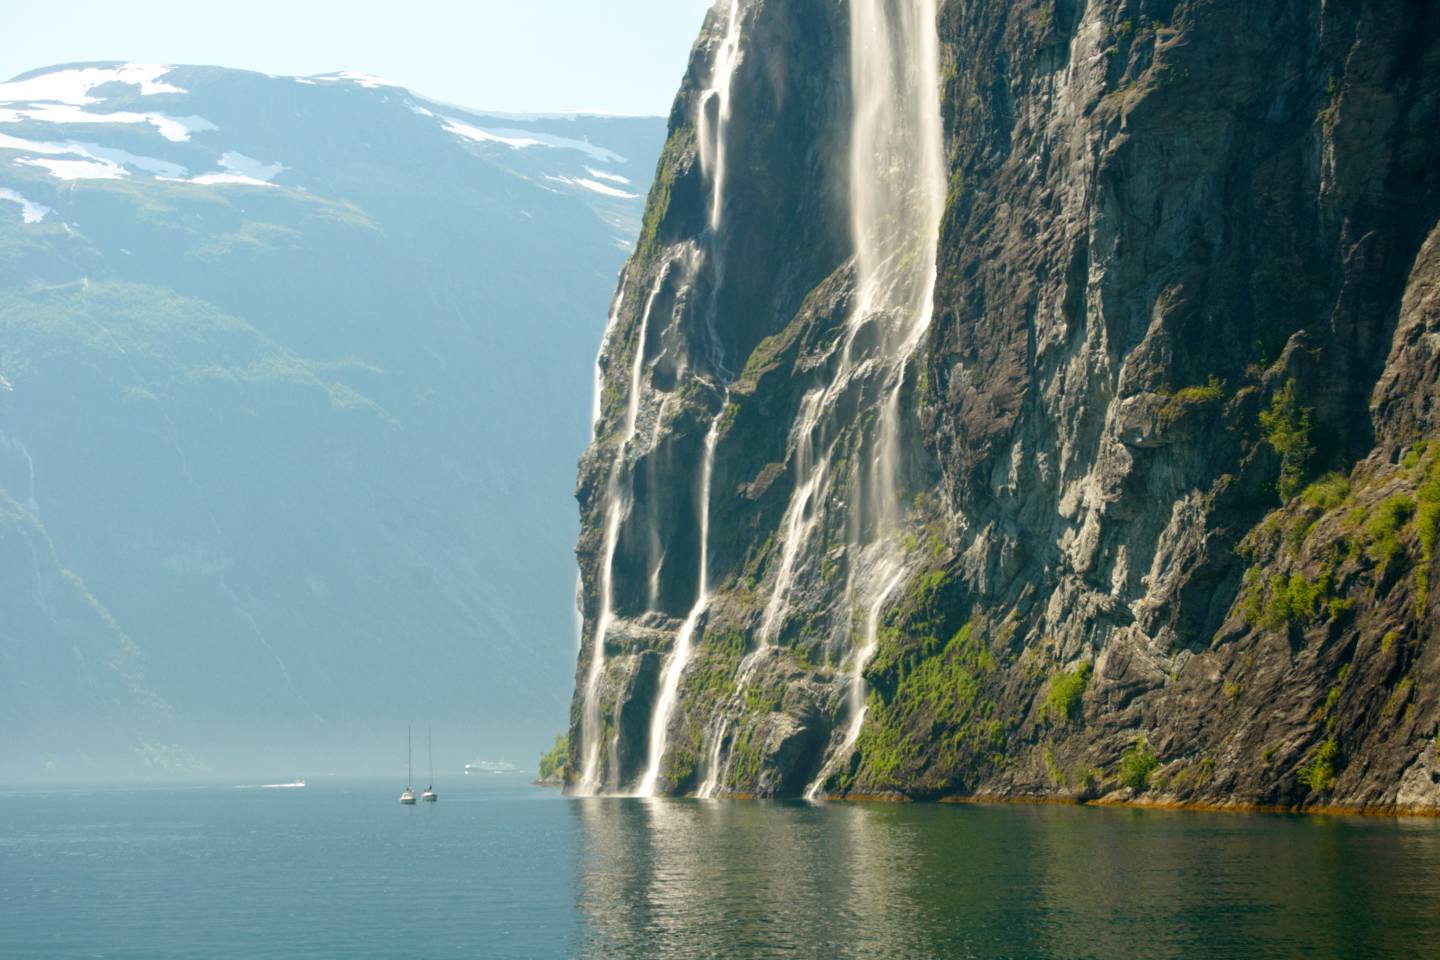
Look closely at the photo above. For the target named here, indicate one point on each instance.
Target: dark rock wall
(1170, 444)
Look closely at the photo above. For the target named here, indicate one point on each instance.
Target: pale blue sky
(621, 56)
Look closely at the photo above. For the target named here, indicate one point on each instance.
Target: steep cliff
(1027, 399)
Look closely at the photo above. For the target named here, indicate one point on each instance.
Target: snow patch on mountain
(594, 186)
(73, 85)
(524, 139)
(468, 132)
(604, 175)
(30, 212)
(249, 168)
(77, 169)
(367, 80)
(93, 151)
(174, 129)
(215, 179)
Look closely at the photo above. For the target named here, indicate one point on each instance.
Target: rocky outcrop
(1168, 447)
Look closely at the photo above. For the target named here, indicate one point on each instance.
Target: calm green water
(501, 869)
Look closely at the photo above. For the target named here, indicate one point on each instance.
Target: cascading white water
(711, 784)
(897, 195)
(893, 574)
(802, 512)
(897, 168)
(712, 140)
(610, 321)
(595, 413)
(712, 148)
(616, 505)
(680, 654)
(897, 198)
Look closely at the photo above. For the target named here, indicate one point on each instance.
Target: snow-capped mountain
(147, 122)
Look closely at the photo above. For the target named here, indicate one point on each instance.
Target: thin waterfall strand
(616, 506)
(615, 306)
(712, 150)
(680, 655)
(712, 142)
(856, 697)
(711, 785)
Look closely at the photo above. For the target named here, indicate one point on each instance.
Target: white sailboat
(430, 796)
(408, 797)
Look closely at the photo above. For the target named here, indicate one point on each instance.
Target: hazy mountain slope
(1137, 502)
(293, 390)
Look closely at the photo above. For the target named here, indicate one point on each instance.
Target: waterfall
(897, 199)
(897, 191)
(897, 196)
(616, 506)
(712, 141)
(894, 574)
(610, 321)
(802, 512)
(710, 787)
(680, 655)
(897, 169)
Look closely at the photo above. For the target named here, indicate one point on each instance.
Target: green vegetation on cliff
(1137, 764)
(1287, 427)
(1062, 703)
(553, 761)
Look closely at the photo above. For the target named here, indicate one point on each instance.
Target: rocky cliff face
(1137, 502)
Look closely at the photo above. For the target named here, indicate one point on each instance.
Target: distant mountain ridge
(293, 376)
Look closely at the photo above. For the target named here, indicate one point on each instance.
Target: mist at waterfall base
(499, 868)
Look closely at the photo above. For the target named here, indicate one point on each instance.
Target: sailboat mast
(430, 752)
(409, 773)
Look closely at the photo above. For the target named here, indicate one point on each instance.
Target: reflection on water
(679, 878)
(501, 869)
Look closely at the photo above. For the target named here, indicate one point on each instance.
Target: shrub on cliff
(1136, 765)
(552, 762)
(1062, 704)
(1287, 429)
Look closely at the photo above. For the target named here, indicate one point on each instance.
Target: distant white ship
(491, 766)
(296, 785)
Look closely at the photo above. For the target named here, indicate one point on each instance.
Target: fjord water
(502, 869)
